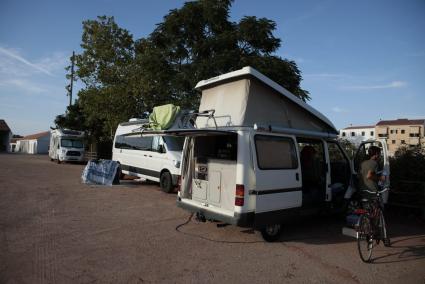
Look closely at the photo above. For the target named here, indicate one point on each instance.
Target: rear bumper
(238, 219)
(250, 219)
(72, 158)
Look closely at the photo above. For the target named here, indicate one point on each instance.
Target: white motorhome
(155, 158)
(259, 156)
(66, 145)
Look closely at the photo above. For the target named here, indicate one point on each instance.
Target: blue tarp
(100, 172)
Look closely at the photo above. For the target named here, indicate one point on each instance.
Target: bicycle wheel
(383, 230)
(365, 238)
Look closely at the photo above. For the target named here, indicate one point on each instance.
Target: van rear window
(223, 147)
(274, 152)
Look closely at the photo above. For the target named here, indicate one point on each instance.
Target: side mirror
(161, 149)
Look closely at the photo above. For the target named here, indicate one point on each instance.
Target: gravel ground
(54, 229)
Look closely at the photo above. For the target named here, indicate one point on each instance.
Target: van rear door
(208, 166)
(277, 171)
(383, 163)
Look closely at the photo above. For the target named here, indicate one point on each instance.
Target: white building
(357, 134)
(34, 144)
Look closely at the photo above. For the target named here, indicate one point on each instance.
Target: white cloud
(339, 110)
(13, 55)
(24, 85)
(391, 85)
(41, 76)
(58, 61)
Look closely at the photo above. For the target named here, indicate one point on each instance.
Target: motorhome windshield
(72, 143)
(174, 143)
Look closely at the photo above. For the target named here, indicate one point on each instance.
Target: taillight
(240, 193)
(179, 183)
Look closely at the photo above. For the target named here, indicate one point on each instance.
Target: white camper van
(66, 145)
(156, 158)
(259, 156)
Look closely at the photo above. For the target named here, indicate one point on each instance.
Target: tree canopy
(124, 78)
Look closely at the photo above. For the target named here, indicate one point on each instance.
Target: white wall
(33, 146)
(43, 145)
(358, 134)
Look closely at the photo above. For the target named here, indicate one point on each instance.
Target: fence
(90, 155)
(408, 193)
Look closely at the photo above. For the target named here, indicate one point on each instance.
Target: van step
(350, 232)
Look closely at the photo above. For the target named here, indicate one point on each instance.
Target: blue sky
(361, 60)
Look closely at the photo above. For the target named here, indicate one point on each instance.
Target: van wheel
(271, 233)
(166, 182)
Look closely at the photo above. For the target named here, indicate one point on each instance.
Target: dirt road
(53, 229)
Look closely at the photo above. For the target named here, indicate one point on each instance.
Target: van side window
(133, 142)
(340, 166)
(156, 142)
(274, 152)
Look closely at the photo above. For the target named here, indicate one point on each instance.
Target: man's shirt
(365, 183)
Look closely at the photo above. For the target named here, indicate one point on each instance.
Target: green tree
(348, 147)
(124, 78)
(72, 119)
(105, 68)
(198, 41)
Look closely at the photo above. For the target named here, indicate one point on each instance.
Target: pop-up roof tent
(246, 97)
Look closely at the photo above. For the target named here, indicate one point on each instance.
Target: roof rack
(310, 133)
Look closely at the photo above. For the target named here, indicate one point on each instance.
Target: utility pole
(72, 79)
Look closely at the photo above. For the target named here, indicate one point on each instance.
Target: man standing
(369, 171)
(369, 181)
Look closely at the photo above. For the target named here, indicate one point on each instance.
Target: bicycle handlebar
(377, 192)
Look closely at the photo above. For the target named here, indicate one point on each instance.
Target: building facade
(34, 144)
(357, 134)
(401, 132)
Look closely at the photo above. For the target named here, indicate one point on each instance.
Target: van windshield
(72, 143)
(174, 143)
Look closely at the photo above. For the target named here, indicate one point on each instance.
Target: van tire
(166, 182)
(271, 233)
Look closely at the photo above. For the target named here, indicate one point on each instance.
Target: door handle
(150, 156)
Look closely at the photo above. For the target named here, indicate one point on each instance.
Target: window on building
(353, 133)
(391, 131)
(392, 141)
(402, 131)
(371, 133)
(396, 131)
(363, 133)
(403, 142)
(343, 134)
(414, 135)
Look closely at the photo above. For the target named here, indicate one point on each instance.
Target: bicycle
(371, 228)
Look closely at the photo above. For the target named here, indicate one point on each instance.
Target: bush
(408, 164)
